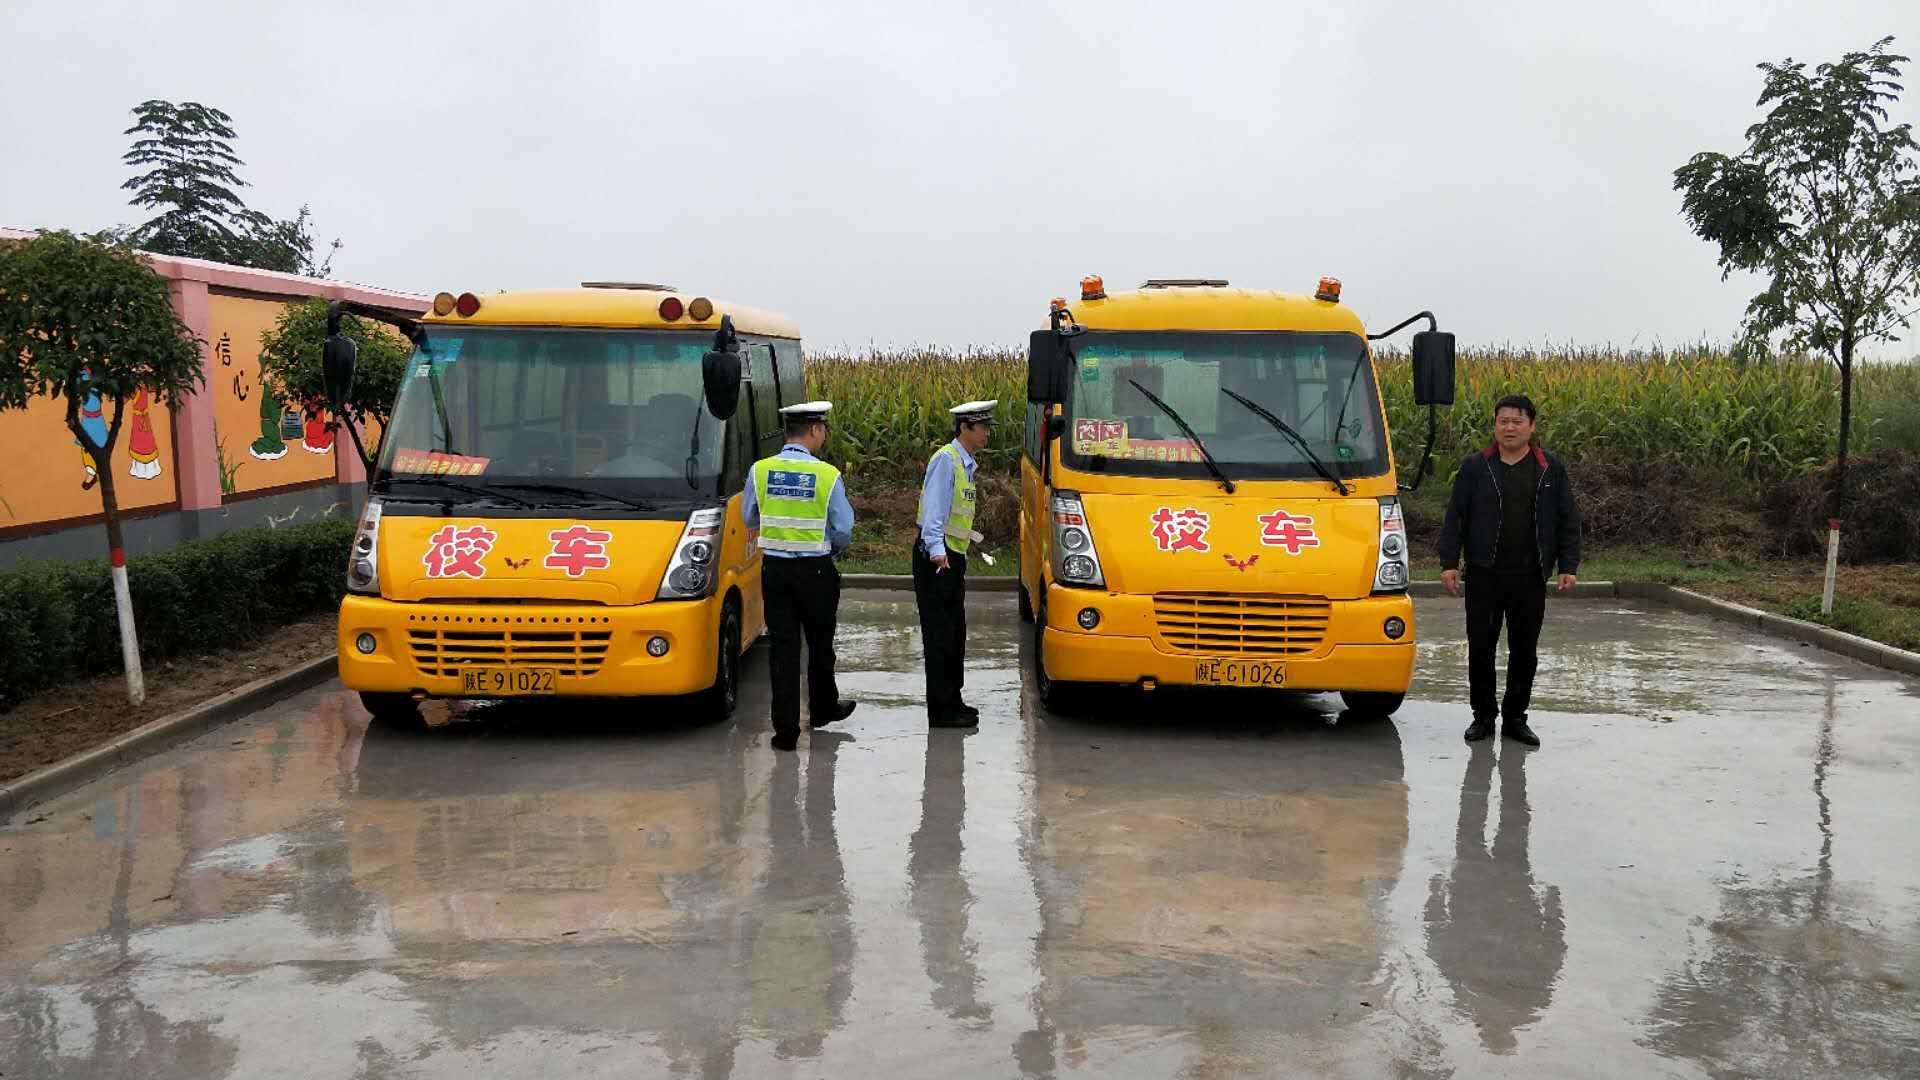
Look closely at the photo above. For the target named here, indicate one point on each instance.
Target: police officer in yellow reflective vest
(798, 506)
(947, 502)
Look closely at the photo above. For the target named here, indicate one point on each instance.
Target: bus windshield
(555, 415)
(1318, 384)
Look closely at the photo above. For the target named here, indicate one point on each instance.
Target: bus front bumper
(429, 648)
(1125, 648)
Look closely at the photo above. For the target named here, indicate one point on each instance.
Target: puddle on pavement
(1709, 870)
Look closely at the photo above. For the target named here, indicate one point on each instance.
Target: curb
(1865, 650)
(25, 792)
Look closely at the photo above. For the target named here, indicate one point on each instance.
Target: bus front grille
(1224, 624)
(573, 654)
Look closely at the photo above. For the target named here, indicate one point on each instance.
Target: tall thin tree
(1825, 202)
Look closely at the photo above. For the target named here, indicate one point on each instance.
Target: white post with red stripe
(1833, 564)
(129, 643)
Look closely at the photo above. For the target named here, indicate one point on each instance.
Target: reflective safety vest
(793, 495)
(960, 534)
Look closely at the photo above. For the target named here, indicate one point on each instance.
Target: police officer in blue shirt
(796, 507)
(947, 504)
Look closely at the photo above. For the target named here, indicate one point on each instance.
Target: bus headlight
(1390, 571)
(690, 573)
(363, 561)
(1075, 560)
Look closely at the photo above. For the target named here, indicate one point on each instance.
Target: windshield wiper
(455, 485)
(1298, 439)
(1205, 454)
(569, 489)
(1340, 423)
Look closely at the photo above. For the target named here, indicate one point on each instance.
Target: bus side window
(790, 374)
(738, 453)
(1034, 433)
(766, 407)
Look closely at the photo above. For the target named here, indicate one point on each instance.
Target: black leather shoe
(789, 743)
(970, 712)
(1519, 732)
(1479, 729)
(841, 710)
(957, 720)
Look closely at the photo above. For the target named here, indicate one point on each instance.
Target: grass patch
(1891, 624)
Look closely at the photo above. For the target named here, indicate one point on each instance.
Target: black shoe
(955, 720)
(788, 742)
(1519, 732)
(1479, 729)
(969, 712)
(841, 710)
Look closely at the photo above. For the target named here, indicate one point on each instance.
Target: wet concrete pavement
(1710, 870)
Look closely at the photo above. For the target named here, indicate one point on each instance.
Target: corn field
(1760, 422)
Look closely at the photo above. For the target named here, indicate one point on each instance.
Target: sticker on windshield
(1107, 438)
(578, 549)
(1290, 532)
(1089, 369)
(457, 552)
(435, 463)
(1180, 530)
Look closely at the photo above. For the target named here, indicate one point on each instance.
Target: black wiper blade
(1299, 440)
(585, 493)
(1205, 454)
(455, 485)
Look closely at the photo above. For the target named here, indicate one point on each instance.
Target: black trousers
(1520, 601)
(942, 599)
(803, 601)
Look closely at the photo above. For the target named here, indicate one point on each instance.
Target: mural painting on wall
(33, 493)
(274, 426)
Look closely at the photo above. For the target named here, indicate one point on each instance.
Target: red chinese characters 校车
(1180, 530)
(578, 549)
(1294, 532)
(457, 552)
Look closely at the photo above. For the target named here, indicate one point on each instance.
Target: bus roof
(1214, 308)
(611, 307)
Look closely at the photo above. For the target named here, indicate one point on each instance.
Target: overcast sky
(908, 176)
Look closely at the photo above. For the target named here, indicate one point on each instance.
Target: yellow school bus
(1209, 494)
(556, 505)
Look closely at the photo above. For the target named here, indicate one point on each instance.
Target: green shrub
(57, 620)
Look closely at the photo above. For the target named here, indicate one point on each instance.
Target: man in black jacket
(1512, 509)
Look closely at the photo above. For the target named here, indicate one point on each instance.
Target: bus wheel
(1056, 697)
(721, 698)
(1026, 604)
(395, 711)
(1371, 703)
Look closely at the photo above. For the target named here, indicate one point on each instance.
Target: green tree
(290, 362)
(1825, 203)
(78, 318)
(186, 152)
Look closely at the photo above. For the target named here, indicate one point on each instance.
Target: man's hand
(939, 560)
(1451, 580)
(1566, 582)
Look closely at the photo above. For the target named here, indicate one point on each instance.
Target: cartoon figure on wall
(318, 437)
(93, 421)
(269, 446)
(142, 447)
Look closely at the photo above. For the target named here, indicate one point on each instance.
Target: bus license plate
(1240, 673)
(506, 681)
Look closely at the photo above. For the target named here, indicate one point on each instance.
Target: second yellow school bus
(1209, 495)
(556, 506)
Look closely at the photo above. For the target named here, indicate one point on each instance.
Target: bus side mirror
(337, 361)
(1433, 368)
(1047, 361)
(720, 371)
